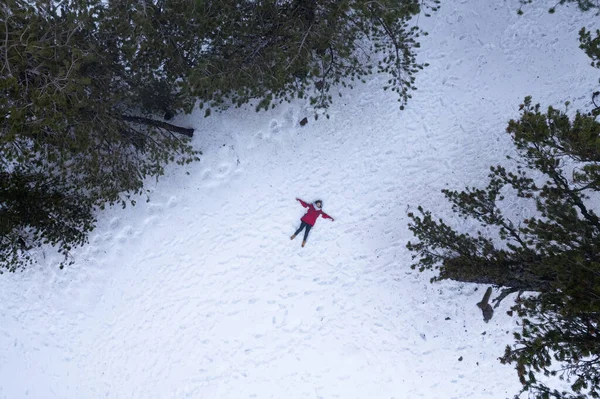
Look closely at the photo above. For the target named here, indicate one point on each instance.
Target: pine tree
(553, 255)
(85, 84)
(71, 138)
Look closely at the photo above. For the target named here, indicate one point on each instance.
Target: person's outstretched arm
(304, 204)
(326, 216)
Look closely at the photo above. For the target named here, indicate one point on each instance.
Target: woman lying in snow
(310, 218)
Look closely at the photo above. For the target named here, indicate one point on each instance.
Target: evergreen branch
(504, 293)
(6, 59)
(299, 48)
(563, 184)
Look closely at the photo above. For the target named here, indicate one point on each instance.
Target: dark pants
(302, 226)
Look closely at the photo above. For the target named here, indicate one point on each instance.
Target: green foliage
(591, 45)
(44, 209)
(584, 5)
(554, 253)
(277, 51)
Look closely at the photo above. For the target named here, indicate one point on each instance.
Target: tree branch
(160, 124)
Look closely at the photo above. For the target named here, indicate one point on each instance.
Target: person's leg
(298, 231)
(308, 227)
(302, 226)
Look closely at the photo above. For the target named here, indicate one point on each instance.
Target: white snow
(201, 294)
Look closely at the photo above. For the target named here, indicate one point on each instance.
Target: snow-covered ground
(201, 294)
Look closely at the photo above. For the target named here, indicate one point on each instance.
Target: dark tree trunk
(485, 306)
(461, 269)
(160, 124)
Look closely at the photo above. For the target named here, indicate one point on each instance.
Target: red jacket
(313, 213)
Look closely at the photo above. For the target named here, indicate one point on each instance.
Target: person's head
(319, 204)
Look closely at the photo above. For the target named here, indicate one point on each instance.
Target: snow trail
(201, 294)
